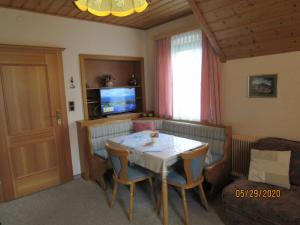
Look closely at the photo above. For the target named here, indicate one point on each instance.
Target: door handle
(58, 117)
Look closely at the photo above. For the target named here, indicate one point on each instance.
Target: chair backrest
(119, 161)
(193, 162)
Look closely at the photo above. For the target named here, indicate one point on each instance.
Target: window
(186, 51)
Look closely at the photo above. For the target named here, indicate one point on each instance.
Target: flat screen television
(117, 100)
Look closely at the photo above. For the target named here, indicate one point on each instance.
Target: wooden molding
(205, 28)
(176, 31)
(31, 48)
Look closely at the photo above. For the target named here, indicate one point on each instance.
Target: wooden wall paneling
(219, 14)
(211, 5)
(67, 8)
(29, 4)
(173, 12)
(56, 6)
(158, 11)
(268, 12)
(206, 29)
(17, 3)
(236, 8)
(265, 36)
(264, 48)
(155, 6)
(289, 20)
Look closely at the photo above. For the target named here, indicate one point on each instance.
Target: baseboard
(1, 192)
(77, 177)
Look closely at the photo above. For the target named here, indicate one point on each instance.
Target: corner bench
(218, 160)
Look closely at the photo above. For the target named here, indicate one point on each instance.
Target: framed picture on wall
(263, 86)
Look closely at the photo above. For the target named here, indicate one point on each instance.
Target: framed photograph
(264, 86)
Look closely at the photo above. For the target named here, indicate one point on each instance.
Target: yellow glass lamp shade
(115, 7)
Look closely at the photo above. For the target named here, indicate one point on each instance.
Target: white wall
(77, 36)
(263, 116)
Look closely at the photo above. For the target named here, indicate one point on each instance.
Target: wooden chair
(126, 175)
(190, 177)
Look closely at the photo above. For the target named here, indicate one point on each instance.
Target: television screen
(117, 100)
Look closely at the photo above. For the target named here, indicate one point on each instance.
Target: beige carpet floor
(84, 203)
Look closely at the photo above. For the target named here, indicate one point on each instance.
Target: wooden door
(34, 139)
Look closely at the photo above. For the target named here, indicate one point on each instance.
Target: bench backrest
(99, 133)
(214, 136)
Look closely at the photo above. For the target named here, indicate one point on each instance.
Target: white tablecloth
(155, 154)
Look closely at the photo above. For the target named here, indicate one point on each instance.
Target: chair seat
(136, 172)
(102, 153)
(176, 178)
(211, 158)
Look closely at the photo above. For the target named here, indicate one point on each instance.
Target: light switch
(71, 106)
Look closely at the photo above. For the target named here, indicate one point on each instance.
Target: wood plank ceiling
(159, 12)
(246, 28)
(235, 28)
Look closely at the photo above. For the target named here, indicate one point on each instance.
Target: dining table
(156, 152)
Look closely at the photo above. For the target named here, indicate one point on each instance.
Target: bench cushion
(175, 177)
(102, 153)
(136, 172)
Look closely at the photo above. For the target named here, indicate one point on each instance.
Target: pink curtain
(210, 84)
(163, 79)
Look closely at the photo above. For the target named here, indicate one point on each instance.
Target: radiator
(241, 146)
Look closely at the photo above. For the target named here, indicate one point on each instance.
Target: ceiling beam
(206, 29)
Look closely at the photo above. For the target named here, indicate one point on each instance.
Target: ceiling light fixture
(118, 8)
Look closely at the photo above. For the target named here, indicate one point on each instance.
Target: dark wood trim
(206, 29)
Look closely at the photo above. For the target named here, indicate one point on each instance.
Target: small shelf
(93, 67)
(91, 89)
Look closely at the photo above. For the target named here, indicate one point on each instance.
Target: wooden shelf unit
(93, 67)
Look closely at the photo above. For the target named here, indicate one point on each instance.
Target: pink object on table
(141, 126)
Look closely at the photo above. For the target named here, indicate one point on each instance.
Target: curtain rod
(176, 31)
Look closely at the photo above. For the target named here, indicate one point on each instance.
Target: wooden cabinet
(121, 68)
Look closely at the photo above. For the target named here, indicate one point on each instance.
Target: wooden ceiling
(245, 28)
(159, 11)
(235, 28)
